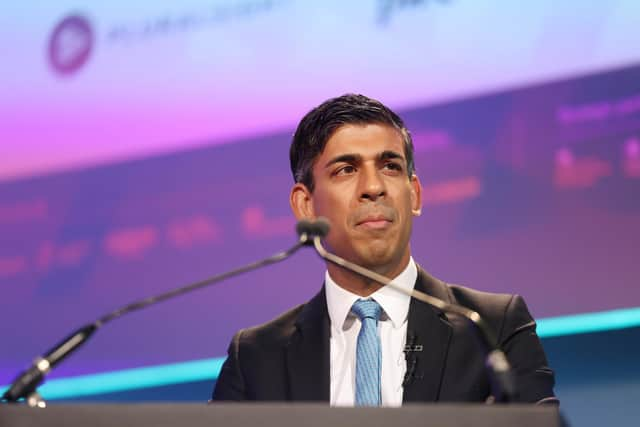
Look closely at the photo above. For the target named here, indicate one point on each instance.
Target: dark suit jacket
(287, 359)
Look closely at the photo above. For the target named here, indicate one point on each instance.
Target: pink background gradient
(163, 76)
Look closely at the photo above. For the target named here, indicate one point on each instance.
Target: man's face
(362, 188)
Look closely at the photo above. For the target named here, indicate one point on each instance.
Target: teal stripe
(589, 322)
(131, 379)
(208, 369)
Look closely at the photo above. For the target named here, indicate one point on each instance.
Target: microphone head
(319, 227)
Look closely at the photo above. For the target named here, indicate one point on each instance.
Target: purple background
(534, 191)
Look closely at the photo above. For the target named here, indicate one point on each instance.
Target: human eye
(344, 170)
(394, 166)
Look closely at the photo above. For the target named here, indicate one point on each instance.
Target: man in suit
(355, 342)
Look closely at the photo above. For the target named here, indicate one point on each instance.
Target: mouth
(374, 223)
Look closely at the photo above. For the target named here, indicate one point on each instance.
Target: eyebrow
(354, 158)
(344, 158)
(388, 154)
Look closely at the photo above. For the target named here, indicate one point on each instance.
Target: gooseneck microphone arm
(26, 383)
(502, 381)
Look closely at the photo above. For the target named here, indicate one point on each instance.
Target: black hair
(317, 126)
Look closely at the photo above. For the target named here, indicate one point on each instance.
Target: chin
(377, 259)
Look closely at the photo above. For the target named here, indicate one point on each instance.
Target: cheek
(331, 205)
(320, 204)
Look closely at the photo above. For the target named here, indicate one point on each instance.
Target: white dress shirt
(392, 328)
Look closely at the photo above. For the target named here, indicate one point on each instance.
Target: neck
(362, 286)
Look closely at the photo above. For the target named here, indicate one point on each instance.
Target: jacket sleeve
(231, 384)
(518, 338)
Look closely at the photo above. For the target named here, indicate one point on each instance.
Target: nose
(372, 184)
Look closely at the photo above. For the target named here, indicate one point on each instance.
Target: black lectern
(277, 415)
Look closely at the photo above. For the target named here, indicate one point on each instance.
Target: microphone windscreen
(319, 227)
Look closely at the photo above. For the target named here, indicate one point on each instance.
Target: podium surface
(277, 415)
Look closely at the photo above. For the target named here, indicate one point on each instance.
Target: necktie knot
(367, 309)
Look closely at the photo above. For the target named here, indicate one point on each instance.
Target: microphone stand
(26, 383)
(502, 381)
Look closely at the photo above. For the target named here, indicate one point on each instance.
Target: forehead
(365, 140)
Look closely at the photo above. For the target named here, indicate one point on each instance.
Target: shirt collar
(394, 304)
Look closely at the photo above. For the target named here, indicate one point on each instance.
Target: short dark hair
(317, 126)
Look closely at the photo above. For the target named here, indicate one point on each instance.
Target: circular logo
(70, 44)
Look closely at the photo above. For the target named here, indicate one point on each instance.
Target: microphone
(26, 383)
(411, 359)
(308, 230)
(502, 380)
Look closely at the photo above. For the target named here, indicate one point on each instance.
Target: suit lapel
(307, 354)
(427, 327)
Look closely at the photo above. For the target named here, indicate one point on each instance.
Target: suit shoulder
(506, 313)
(480, 301)
(273, 331)
(484, 303)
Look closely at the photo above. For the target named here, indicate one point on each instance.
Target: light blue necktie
(368, 354)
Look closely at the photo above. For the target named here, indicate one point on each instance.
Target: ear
(301, 201)
(416, 195)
